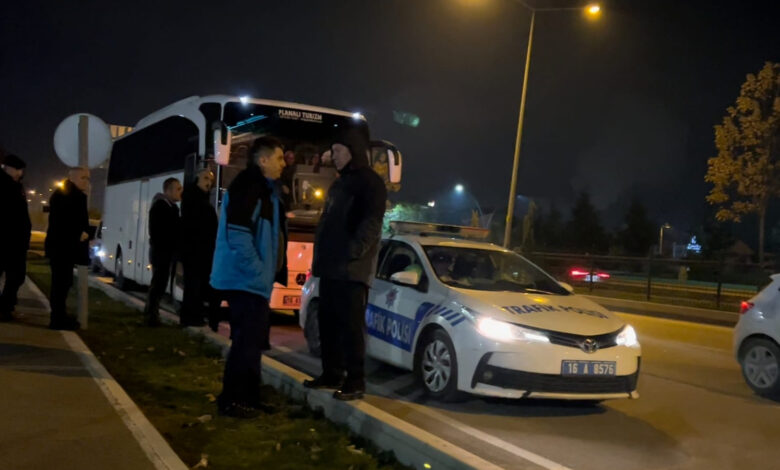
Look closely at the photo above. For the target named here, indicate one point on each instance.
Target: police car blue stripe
(449, 315)
(459, 321)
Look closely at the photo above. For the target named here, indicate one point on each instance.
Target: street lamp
(665, 226)
(459, 189)
(592, 10)
(431, 203)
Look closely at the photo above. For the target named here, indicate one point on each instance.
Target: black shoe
(350, 391)
(153, 320)
(238, 410)
(65, 324)
(323, 382)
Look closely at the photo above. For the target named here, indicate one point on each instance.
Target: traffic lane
(690, 353)
(692, 404)
(503, 431)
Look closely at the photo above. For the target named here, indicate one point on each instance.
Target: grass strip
(174, 378)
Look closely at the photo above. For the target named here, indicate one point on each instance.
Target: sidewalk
(54, 402)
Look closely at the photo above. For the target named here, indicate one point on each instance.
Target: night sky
(622, 107)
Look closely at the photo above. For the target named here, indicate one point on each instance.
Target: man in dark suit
(67, 242)
(15, 234)
(164, 235)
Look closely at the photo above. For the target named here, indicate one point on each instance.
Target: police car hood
(562, 313)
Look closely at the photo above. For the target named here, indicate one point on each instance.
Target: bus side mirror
(394, 165)
(222, 142)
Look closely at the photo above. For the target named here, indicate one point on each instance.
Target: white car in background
(756, 340)
(469, 316)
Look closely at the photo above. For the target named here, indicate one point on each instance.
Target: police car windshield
(489, 270)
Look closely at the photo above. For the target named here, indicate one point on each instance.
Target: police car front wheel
(437, 366)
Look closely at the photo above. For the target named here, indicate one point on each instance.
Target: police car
(469, 316)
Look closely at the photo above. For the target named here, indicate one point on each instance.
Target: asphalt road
(694, 410)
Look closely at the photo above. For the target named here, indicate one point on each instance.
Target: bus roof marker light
(244, 99)
(357, 115)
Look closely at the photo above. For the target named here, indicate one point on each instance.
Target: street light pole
(510, 212)
(593, 10)
(661, 238)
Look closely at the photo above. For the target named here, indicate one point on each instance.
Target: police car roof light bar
(430, 229)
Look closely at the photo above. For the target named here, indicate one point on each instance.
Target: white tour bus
(216, 132)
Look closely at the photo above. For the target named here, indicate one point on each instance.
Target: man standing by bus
(67, 242)
(251, 255)
(345, 252)
(15, 235)
(164, 236)
(199, 229)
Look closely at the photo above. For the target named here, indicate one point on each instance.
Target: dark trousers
(248, 325)
(343, 328)
(196, 291)
(61, 282)
(162, 266)
(14, 265)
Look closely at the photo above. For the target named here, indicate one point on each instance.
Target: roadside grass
(174, 378)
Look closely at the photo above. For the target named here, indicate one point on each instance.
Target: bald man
(67, 242)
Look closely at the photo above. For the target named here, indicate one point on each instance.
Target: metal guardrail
(703, 282)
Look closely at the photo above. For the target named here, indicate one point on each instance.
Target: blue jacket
(247, 252)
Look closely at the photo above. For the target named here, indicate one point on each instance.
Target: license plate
(291, 301)
(603, 368)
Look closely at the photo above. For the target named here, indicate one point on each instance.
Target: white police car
(470, 316)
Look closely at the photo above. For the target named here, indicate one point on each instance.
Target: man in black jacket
(15, 235)
(199, 224)
(67, 242)
(345, 252)
(164, 235)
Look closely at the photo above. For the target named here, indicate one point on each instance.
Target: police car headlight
(627, 337)
(503, 331)
(101, 254)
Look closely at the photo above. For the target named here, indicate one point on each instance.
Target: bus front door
(141, 269)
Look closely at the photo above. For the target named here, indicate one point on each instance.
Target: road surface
(694, 410)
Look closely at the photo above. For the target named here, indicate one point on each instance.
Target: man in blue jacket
(250, 256)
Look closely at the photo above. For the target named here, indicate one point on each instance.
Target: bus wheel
(119, 273)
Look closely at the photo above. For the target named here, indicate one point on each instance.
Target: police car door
(392, 318)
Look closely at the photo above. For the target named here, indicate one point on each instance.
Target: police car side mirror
(406, 278)
(567, 286)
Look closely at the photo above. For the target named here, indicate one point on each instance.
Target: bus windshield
(306, 136)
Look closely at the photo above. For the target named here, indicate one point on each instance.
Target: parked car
(756, 340)
(470, 316)
(584, 275)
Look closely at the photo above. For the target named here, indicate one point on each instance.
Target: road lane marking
(388, 389)
(492, 440)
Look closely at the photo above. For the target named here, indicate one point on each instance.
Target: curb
(412, 446)
(675, 312)
(156, 448)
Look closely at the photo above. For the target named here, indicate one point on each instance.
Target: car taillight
(745, 306)
(603, 275)
(577, 272)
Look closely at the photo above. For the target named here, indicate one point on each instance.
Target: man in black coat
(15, 234)
(164, 236)
(199, 224)
(345, 252)
(67, 242)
